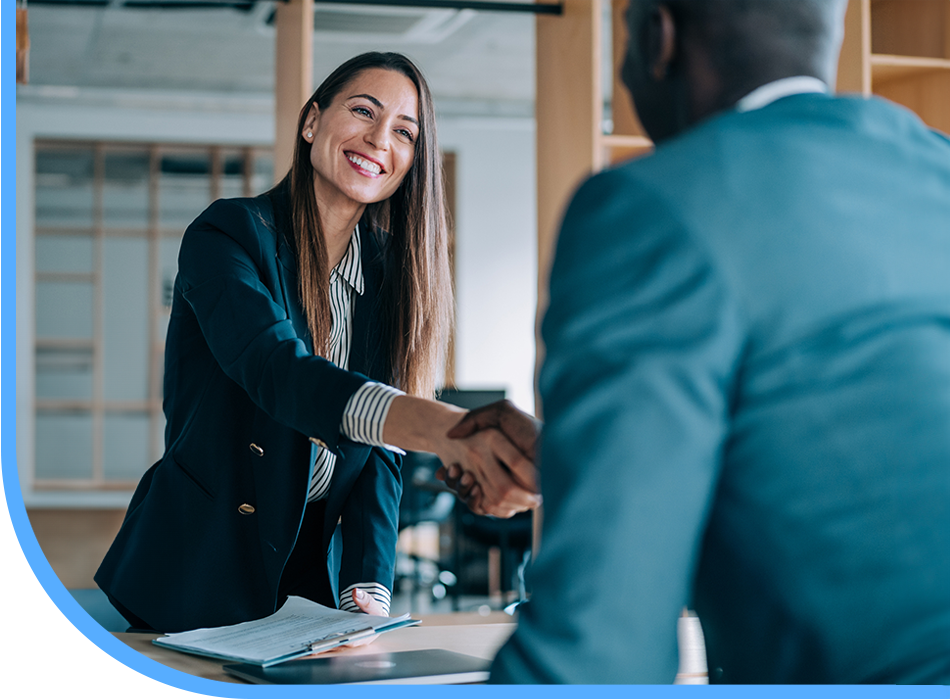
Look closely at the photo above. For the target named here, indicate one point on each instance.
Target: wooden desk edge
(481, 640)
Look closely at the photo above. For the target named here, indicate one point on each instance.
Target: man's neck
(712, 91)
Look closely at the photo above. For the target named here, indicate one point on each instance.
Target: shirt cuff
(378, 591)
(365, 414)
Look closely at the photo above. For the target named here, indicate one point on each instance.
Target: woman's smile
(364, 165)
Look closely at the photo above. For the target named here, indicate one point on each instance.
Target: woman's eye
(363, 111)
(406, 133)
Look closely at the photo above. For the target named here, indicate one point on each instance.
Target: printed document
(299, 628)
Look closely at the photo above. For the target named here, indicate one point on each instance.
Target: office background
(133, 118)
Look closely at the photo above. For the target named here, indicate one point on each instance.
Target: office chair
(424, 500)
(477, 534)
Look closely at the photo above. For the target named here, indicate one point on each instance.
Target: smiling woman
(373, 113)
(317, 310)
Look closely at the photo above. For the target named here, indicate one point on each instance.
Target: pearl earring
(309, 134)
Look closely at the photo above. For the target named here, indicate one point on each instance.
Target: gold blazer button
(259, 451)
(246, 509)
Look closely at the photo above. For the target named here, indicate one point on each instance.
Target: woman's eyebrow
(368, 97)
(380, 105)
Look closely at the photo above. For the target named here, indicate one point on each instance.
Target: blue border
(49, 644)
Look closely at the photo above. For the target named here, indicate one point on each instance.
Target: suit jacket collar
(369, 347)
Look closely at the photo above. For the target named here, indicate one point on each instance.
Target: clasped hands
(498, 475)
(488, 453)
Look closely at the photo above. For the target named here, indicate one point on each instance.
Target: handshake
(496, 473)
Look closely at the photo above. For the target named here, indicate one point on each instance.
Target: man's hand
(495, 476)
(519, 427)
(464, 485)
(521, 431)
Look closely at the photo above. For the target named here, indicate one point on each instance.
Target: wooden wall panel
(569, 114)
(854, 65)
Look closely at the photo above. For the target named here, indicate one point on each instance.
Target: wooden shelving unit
(886, 67)
(571, 113)
(900, 50)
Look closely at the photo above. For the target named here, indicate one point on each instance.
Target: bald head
(688, 59)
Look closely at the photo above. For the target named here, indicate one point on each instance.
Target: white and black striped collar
(350, 268)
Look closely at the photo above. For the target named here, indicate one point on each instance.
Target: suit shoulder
(695, 154)
(255, 210)
(647, 183)
(247, 220)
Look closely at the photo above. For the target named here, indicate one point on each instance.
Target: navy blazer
(212, 524)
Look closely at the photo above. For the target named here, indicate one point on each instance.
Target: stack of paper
(299, 628)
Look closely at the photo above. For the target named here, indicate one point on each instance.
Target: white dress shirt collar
(350, 268)
(777, 89)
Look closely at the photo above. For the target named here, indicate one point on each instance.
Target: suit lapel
(287, 269)
(366, 358)
(367, 343)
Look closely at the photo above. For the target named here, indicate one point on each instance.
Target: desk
(482, 640)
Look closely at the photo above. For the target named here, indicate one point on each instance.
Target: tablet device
(425, 666)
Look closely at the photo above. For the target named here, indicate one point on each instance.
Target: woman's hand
(369, 605)
(506, 478)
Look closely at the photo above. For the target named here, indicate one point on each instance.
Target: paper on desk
(286, 634)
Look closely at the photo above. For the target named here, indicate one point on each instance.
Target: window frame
(154, 232)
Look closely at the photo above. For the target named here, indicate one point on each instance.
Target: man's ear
(661, 42)
(310, 123)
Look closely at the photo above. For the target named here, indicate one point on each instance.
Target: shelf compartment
(927, 94)
(911, 28)
(885, 67)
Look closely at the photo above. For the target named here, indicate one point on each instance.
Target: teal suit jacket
(747, 401)
(243, 393)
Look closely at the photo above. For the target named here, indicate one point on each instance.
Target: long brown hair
(417, 290)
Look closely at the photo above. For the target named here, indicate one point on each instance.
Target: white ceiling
(479, 60)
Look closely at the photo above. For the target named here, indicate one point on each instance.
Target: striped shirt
(365, 412)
